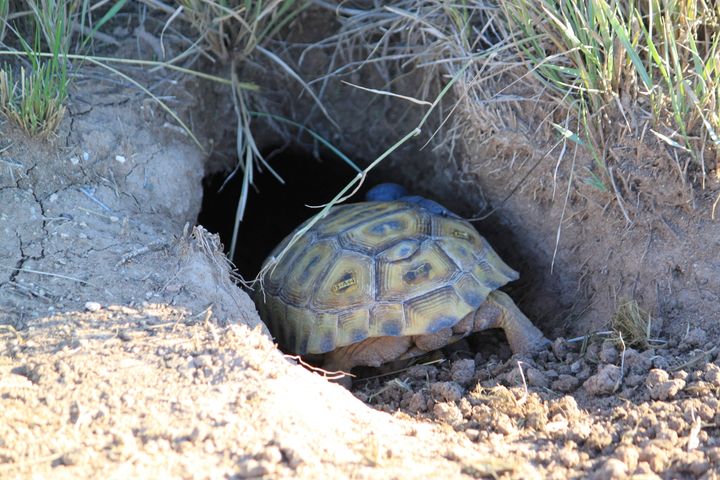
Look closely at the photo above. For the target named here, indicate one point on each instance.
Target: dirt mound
(127, 349)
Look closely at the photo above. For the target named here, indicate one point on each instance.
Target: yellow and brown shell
(377, 269)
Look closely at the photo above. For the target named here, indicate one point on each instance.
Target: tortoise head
(385, 192)
(388, 192)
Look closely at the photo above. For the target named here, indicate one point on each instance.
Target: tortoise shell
(376, 269)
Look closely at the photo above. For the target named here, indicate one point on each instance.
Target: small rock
(202, 361)
(634, 380)
(448, 391)
(697, 337)
(536, 378)
(448, 412)
(660, 363)
(566, 383)
(577, 366)
(712, 374)
(120, 158)
(604, 382)
(661, 387)
(656, 376)
(655, 456)
(414, 402)
(560, 348)
(272, 454)
(293, 456)
(628, 455)
(472, 434)
(612, 469)
(92, 306)
(422, 372)
(609, 352)
(636, 362)
(463, 371)
(252, 468)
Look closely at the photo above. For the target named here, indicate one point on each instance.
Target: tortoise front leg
(499, 311)
(371, 352)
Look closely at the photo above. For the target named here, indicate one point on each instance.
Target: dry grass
(632, 323)
(618, 68)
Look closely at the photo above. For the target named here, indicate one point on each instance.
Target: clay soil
(127, 350)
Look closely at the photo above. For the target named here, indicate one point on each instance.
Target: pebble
(448, 412)
(415, 402)
(697, 337)
(628, 455)
(463, 371)
(448, 391)
(251, 468)
(609, 352)
(712, 374)
(604, 381)
(661, 387)
(92, 306)
(536, 378)
(272, 454)
(612, 469)
(202, 361)
(637, 362)
(655, 455)
(565, 383)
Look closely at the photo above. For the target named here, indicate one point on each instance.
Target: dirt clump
(610, 421)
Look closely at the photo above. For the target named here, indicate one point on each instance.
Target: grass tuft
(238, 27)
(34, 99)
(33, 94)
(633, 323)
(608, 57)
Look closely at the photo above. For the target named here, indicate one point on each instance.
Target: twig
(47, 274)
(617, 195)
(525, 392)
(153, 246)
(330, 375)
(696, 359)
(389, 94)
(622, 364)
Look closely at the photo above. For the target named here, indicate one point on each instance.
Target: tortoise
(386, 279)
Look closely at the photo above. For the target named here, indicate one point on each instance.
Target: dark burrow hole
(274, 210)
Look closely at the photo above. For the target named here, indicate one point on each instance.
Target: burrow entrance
(275, 209)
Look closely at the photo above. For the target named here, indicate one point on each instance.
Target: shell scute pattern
(377, 269)
(435, 310)
(347, 217)
(428, 269)
(348, 283)
(275, 277)
(377, 234)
